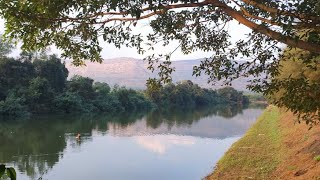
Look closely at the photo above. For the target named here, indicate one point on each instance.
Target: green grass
(317, 158)
(256, 155)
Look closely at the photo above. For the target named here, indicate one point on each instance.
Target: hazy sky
(109, 51)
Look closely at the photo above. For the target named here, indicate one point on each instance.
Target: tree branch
(166, 7)
(266, 31)
(281, 12)
(240, 17)
(268, 21)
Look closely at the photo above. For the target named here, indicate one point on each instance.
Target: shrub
(13, 106)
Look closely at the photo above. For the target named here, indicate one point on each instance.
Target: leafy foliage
(69, 102)
(297, 86)
(233, 95)
(39, 85)
(13, 106)
(5, 47)
(43, 88)
(186, 94)
(131, 100)
(81, 86)
(75, 27)
(52, 65)
(9, 171)
(39, 94)
(14, 75)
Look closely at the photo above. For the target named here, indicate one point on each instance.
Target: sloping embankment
(273, 148)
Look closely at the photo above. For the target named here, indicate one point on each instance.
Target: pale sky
(109, 51)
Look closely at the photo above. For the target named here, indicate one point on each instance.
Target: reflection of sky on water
(213, 126)
(175, 145)
(161, 143)
(141, 157)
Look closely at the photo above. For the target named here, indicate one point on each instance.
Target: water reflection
(161, 143)
(215, 122)
(35, 146)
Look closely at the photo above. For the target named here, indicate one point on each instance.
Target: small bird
(78, 136)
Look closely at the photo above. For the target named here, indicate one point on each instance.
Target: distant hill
(133, 73)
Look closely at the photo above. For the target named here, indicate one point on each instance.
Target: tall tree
(39, 95)
(83, 86)
(53, 70)
(14, 75)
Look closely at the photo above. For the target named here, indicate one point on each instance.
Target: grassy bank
(256, 155)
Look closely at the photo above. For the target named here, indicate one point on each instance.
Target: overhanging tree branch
(85, 17)
(297, 25)
(276, 11)
(266, 31)
(101, 14)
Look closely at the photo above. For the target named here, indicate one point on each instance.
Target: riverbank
(273, 148)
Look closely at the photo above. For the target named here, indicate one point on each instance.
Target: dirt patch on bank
(301, 147)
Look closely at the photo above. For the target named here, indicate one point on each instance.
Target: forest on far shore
(33, 84)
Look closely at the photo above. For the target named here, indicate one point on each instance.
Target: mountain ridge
(133, 73)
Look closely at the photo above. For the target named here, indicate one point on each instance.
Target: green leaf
(11, 173)
(2, 169)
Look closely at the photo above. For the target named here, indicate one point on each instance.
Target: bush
(13, 106)
(70, 102)
(107, 103)
(186, 94)
(131, 100)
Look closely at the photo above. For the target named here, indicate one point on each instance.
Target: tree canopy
(74, 26)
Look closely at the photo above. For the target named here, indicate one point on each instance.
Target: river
(176, 144)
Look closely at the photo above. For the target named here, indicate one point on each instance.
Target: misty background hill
(133, 73)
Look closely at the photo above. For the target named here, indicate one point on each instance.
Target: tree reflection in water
(34, 146)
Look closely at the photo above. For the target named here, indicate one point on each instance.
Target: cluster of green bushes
(188, 94)
(40, 85)
(84, 95)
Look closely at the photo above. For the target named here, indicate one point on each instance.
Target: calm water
(168, 145)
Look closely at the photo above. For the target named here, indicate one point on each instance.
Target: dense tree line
(188, 94)
(37, 83)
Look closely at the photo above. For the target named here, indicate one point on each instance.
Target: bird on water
(78, 136)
